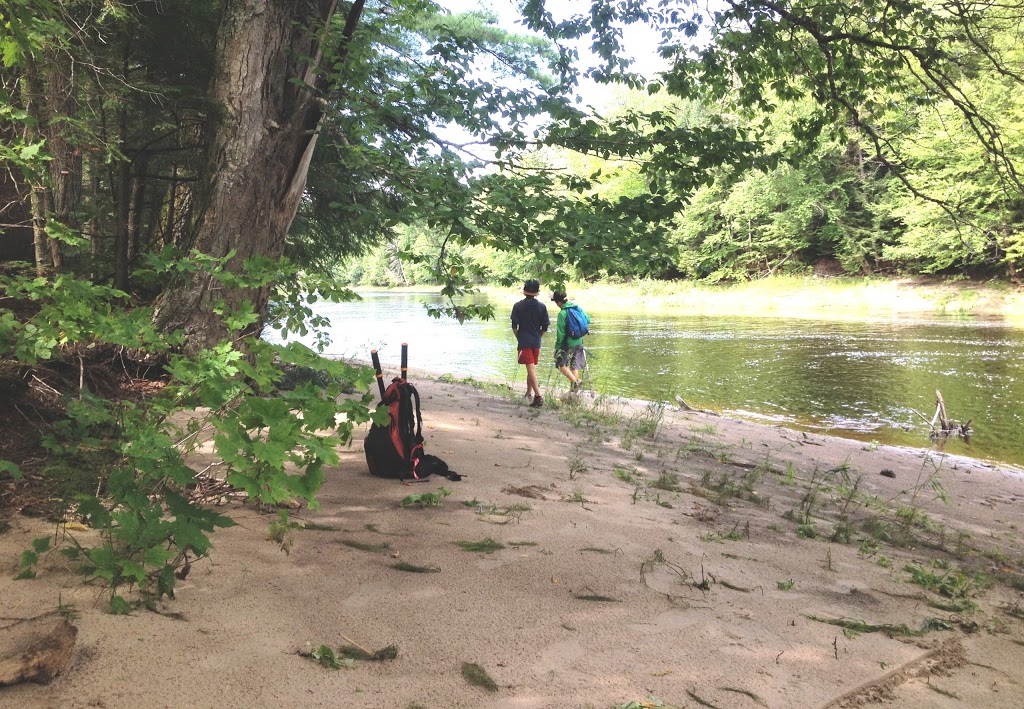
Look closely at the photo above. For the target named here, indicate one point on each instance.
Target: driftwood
(36, 649)
(947, 426)
(683, 406)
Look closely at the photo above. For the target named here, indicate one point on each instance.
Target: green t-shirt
(562, 340)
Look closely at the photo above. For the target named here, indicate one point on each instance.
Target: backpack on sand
(576, 322)
(396, 450)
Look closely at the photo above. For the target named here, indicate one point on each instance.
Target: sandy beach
(620, 555)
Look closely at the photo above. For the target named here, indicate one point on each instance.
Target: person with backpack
(573, 326)
(529, 322)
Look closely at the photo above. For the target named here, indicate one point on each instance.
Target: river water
(870, 380)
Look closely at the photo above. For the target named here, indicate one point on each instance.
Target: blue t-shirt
(530, 318)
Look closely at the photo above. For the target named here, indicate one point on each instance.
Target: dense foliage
(796, 136)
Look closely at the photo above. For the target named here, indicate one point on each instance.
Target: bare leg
(570, 374)
(532, 384)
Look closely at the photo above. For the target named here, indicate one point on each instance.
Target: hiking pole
(586, 371)
(405, 360)
(379, 373)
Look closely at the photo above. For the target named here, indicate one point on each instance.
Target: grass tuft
(354, 653)
(487, 546)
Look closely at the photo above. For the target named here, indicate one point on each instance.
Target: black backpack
(391, 450)
(396, 450)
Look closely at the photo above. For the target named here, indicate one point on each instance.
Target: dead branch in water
(947, 426)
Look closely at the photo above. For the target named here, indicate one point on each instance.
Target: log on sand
(36, 649)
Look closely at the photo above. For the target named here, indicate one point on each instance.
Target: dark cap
(559, 296)
(531, 287)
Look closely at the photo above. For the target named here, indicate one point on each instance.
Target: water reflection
(871, 380)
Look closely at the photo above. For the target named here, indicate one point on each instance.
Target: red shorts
(530, 355)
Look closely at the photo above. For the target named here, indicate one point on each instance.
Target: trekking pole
(586, 371)
(379, 373)
(405, 360)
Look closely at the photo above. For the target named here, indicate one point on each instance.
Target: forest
(180, 176)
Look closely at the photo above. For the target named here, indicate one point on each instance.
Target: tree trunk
(172, 204)
(66, 160)
(32, 95)
(261, 142)
(136, 202)
(122, 191)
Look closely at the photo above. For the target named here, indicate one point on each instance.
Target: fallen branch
(948, 426)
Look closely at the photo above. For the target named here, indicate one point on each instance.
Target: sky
(639, 41)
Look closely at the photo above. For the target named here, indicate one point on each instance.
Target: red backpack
(396, 450)
(393, 451)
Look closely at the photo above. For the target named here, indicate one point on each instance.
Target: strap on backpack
(419, 416)
(410, 428)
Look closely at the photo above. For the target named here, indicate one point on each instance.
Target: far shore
(790, 296)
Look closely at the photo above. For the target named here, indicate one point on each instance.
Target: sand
(609, 588)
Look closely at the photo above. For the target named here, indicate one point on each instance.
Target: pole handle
(378, 372)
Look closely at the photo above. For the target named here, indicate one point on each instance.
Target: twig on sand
(356, 645)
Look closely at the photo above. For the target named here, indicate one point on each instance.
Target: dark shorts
(529, 355)
(573, 358)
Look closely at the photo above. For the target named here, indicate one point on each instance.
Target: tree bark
(122, 191)
(66, 160)
(261, 140)
(32, 95)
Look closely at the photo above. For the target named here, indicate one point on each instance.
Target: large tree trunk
(262, 139)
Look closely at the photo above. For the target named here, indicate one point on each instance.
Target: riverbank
(596, 553)
(811, 297)
(869, 375)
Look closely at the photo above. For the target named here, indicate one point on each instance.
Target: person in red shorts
(529, 322)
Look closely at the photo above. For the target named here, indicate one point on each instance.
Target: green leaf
(133, 570)
(28, 558)
(7, 466)
(119, 606)
(30, 151)
(105, 562)
(165, 583)
(158, 556)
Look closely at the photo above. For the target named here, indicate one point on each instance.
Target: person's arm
(560, 331)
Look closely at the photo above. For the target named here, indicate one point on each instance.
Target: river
(871, 380)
